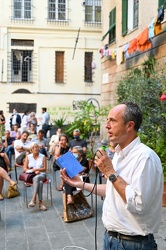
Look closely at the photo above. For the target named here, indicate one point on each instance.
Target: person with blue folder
(78, 164)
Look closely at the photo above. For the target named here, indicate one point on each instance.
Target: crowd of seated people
(32, 150)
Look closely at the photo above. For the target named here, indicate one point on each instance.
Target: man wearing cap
(77, 141)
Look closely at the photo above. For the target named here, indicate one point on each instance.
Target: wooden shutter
(59, 67)
(124, 17)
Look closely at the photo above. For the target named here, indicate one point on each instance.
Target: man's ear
(131, 125)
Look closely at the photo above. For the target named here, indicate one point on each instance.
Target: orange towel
(142, 40)
(132, 46)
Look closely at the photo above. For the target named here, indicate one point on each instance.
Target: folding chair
(55, 178)
(26, 185)
(15, 168)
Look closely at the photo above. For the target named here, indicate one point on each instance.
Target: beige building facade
(125, 23)
(49, 55)
(132, 30)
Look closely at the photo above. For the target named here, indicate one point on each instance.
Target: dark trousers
(45, 127)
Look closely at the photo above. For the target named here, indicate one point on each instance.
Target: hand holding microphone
(102, 161)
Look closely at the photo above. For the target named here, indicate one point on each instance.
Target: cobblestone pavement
(28, 228)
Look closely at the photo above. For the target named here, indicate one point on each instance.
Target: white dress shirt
(45, 118)
(141, 169)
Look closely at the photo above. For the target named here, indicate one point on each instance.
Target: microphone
(103, 144)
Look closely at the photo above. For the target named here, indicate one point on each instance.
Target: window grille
(135, 13)
(22, 10)
(21, 66)
(88, 66)
(57, 10)
(93, 11)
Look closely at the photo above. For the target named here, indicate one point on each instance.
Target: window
(21, 66)
(130, 15)
(112, 27)
(93, 11)
(57, 9)
(22, 9)
(88, 67)
(59, 66)
(135, 14)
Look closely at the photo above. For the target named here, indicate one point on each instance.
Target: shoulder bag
(12, 191)
(79, 210)
(27, 177)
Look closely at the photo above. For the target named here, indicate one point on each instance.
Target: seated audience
(8, 143)
(60, 149)
(111, 150)
(78, 153)
(33, 119)
(77, 141)
(22, 148)
(2, 124)
(36, 162)
(41, 141)
(54, 141)
(32, 132)
(4, 175)
(15, 132)
(4, 160)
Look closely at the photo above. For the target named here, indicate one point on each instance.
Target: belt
(137, 238)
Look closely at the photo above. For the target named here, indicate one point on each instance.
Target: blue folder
(72, 165)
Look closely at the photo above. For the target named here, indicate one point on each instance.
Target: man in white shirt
(45, 121)
(22, 148)
(133, 192)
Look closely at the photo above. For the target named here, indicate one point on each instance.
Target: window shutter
(112, 17)
(59, 70)
(124, 17)
(160, 2)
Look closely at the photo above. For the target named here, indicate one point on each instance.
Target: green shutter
(112, 22)
(162, 2)
(124, 17)
(112, 18)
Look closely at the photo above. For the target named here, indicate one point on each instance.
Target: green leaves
(144, 87)
(88, 120)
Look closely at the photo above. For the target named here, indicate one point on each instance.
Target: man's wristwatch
(113, 177)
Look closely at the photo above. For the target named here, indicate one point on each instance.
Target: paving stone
(32, 229)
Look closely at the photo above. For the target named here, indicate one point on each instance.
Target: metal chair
(26, 185)
(15, 169)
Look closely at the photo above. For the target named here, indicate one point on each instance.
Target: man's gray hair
(79, 148)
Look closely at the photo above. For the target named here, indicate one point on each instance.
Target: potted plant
(88, 120)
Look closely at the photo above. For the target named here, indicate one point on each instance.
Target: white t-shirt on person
(22, 144)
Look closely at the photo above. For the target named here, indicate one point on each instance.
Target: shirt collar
(124, 152)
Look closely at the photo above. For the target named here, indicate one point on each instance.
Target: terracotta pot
(164, 195)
